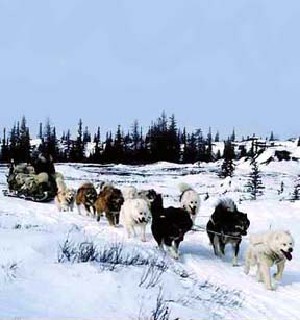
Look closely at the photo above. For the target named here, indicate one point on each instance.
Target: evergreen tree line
(163, 141)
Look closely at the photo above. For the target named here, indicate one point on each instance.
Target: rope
(198, 228)
(203, 229)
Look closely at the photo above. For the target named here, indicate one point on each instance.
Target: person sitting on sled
(35, 180)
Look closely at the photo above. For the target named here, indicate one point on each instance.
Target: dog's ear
(288, 232)
(277, 237)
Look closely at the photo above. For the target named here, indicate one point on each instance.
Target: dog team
(135, 209)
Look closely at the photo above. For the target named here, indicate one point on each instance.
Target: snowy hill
(43, 273)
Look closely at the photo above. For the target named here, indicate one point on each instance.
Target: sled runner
(45, 197)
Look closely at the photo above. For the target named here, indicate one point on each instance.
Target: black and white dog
(169, 225)
(227, 225)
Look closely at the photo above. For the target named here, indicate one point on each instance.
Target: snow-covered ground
(134, 280)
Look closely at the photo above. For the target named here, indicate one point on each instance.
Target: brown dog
(86, 195)
(109, 200)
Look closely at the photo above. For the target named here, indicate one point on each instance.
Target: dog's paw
(259, 277)
(270, 288)
(174, 253)
(235, 262)
(246, 270)
(277, 276)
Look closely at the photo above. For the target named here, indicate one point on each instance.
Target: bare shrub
(67, 251)
(108, 257)
(152, 274)
(9, 270)
(162, 310)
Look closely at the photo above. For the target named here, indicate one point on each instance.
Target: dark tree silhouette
(254, 185)
(232, 137)
(227, 167)
(296, 191)
(5, 156)
(77, 147)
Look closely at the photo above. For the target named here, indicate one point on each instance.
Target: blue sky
(219, 64)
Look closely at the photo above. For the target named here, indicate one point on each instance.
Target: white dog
(189, 200)
(135, 212)
(65, 197)
(268, 249)
(129, 192)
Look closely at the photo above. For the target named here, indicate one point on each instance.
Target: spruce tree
(163, 140)
(40, 131)
(232, 138)
(190, 149)
(13, 141)
(217, 137)
(49, 141)
(173, 146)
(77, 147)
(4, 148)
(108, 152)
(68, 145)
(254, 185)
(201, 152)
(118, 148)
(135, 134)
(227, 167)
(296, 191)
(218, 155)
(24, 141)
(86, 135)
(182, 144)
(208, 150)
(96, 158)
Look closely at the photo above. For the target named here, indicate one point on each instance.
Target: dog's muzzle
(193, 210)
(241, 229)
(288, 254)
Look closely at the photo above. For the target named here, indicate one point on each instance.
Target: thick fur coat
(169, 226)
(266, 249)
(135, 213)
(227, 225)
(109, 201)
(86, 195)
(189, 200)
(65, 197)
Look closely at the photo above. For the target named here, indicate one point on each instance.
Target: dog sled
(44, 197)
(25, 181)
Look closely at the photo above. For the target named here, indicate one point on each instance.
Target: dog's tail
(226, 204)
(61, 185)
(183, 186)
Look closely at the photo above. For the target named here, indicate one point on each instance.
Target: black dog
(227, 225)
(169, 225)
